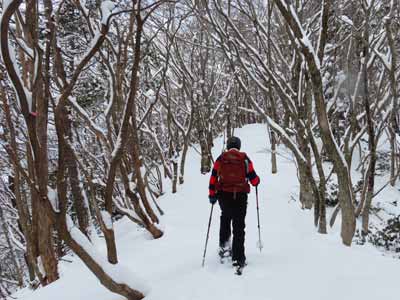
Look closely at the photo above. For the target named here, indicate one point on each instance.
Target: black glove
(212, 199)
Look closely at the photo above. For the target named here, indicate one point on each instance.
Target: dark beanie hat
(233, 142)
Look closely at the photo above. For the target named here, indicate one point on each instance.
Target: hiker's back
(232, 172)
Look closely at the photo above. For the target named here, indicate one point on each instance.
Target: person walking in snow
(229, 184)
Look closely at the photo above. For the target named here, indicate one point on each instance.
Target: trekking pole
(259, 243)
(208, 233)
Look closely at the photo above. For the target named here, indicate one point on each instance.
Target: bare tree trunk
(122, 139)
(228, 119)
(394, 126)
(21, 205)
(81, 210)
(138, 174)
(65, 232)
(371, 130)
(274, 166)
(175, 170)
(37, 133)
(94, 266)
(46, 243)
(183, 160)
(306, 194)
(341, 168)
(205, 165)
(145, 221)
(320, 205)
(205, 157)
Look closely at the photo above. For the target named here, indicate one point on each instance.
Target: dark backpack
(232, 172)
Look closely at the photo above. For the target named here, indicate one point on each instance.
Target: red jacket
(251, 174)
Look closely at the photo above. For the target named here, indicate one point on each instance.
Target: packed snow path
(295, 263)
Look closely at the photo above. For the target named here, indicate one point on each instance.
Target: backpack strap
(246, 162)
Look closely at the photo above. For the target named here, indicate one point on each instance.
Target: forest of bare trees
(101, 100)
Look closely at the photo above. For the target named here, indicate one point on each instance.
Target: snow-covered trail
(296, 262)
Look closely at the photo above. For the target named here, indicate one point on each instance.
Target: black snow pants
(233, 211)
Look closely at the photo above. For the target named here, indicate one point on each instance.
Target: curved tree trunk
(95, 266)
(335, 154)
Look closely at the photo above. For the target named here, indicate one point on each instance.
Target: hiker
(229, 185)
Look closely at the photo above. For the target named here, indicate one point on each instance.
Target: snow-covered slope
(296, 262)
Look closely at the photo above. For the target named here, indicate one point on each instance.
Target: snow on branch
(107, 8)
(222, 101)
(117, 272)
(25, 48)
(93, 126)
(299, 33)
(252, 52)
(275, 126)
(98, 39)
(53, 199)
(107, 221)
(283, 133)
(385, 59)
(304, 40)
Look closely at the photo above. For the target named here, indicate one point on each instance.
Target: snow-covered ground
(296, 262)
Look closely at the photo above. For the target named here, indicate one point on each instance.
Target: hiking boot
(239, 263)
(225, 252)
